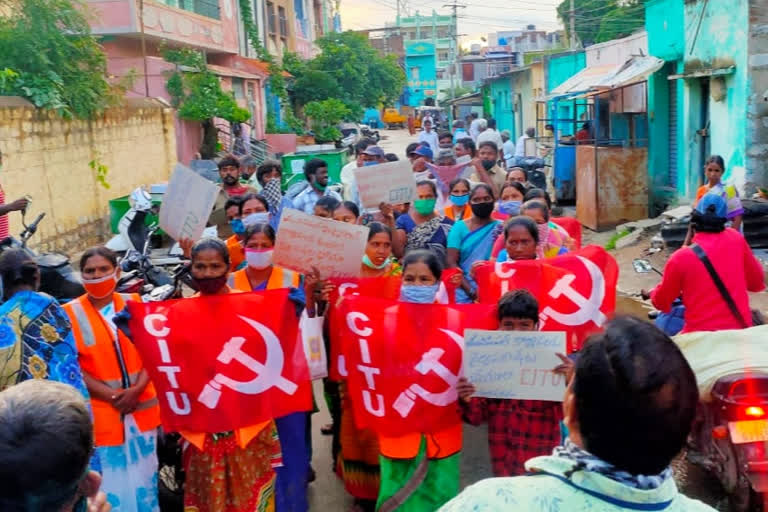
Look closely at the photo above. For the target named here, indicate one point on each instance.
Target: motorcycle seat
(741, 386)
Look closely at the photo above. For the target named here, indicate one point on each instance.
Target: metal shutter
(672, 135)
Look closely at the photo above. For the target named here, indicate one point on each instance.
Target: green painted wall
(525, 114)
(562, 66)
(665, 25)
(501, 103)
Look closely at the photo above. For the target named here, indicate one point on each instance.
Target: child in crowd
(518, 430)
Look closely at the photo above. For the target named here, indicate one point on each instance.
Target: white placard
(187, 204)
(514, 364)
(304, 241)
(391, 183)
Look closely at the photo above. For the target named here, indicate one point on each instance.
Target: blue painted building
(420, 72)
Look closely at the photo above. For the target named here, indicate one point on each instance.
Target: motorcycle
(57, 277)
(730, 436)
(367, 131)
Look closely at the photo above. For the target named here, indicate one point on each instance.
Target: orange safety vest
(236, 253)
(464, 216)
(280, 278)
(113, 364)
(439, 444)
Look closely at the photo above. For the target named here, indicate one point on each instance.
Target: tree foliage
(324, 116)
(347, 68)
(598, 21)
(56, 62)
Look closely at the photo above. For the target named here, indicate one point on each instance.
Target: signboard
(304, 241)
(187, 204)
(391, 183)
(514, 364)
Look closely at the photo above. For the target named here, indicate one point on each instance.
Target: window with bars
(271, 21)
(207, 8)
(283, 21)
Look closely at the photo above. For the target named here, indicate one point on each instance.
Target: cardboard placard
(187, 204)
(514, 364)
(304, 241)
(391, 183)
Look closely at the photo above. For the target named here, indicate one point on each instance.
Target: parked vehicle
(436, 113)
(392, 118)
(350, 135)
(366, 131)
(57, 277)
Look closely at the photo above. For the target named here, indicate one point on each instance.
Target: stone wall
(48, 158)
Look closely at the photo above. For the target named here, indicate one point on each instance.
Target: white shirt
(520, 146)
(508, 151)
(430, 138)
(474, 129)
(491, 135)
(347, 177)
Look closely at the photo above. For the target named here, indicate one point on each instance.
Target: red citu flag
(403, 361)
(576, 291)
(223, 362)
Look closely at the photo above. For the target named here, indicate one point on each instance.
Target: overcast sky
(476, 20)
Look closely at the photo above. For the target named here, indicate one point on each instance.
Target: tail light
(753, 412)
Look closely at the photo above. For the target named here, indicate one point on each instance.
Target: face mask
(368, 263)
(510, 207)
(488, 164)
(418, 294)
(419, 176)
(229, 180)
(256, 218)
(424, 206)
(317, 185)
(211, 285)
(237, 226)
(259, 258)
(372, 162)
(482, 210)
(101, 287)
(460, 200)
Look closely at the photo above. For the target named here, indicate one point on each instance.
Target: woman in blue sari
(471, 240)
(36, 339)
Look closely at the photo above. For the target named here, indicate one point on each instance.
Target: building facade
(420, 72)
(710, 98)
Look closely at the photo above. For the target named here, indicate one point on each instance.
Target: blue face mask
(237, 226)
(418, 294)
(510, 207)
(460, 200)
(372, 162)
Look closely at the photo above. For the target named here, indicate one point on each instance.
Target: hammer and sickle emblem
(267, 375)
(430, 362)
(589, 307)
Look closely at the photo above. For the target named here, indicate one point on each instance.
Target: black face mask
(210, 285)
(488, 164)
(229, 180)
(482, 210)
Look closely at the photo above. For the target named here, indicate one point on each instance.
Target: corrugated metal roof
(636, 69)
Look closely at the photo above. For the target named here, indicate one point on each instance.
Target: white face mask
(256, 218)
(259, 258)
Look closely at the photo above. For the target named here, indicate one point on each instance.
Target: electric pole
(573, 25)
(454, 52)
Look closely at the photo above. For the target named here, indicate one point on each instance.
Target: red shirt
(684, 274)
(238, 190)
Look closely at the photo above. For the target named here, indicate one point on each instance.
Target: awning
(232, 72)
(703, 73)
(635, 70)
(467, 99)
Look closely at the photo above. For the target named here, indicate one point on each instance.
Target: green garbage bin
(119, 206)
(293, 165)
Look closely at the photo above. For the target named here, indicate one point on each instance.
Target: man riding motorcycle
(712, 275)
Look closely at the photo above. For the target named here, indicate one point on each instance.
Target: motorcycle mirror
(642, 266)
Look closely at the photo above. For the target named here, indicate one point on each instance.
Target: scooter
(57, 277)
(730, 436)
(671, 323)
(367, 131)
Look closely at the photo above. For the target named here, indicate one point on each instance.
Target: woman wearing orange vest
(125, 408)
(419, 471)
(260, 274)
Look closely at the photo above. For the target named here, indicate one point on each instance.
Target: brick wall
(47, 158)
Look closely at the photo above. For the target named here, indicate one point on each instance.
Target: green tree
(197, 94)
(598, 21)
(57, 62)
(348, 67)
(324, 116)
